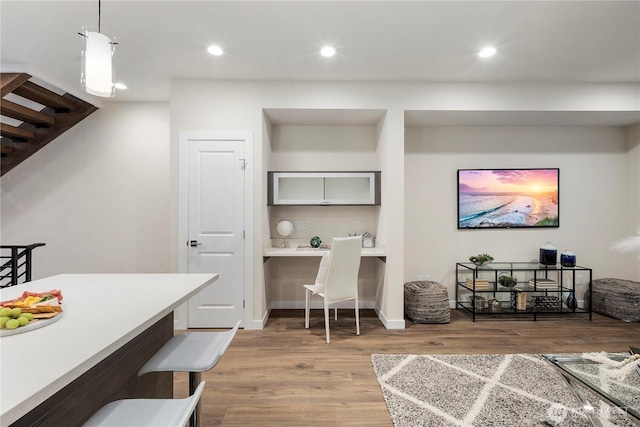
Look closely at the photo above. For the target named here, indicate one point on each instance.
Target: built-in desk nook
(326, 173)
(298, 248)
(287, 269)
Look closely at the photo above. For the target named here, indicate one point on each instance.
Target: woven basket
(426, 302)
(617, 298)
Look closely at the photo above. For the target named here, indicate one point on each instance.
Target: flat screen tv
(508, 198)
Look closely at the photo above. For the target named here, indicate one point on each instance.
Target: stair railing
(17, 268)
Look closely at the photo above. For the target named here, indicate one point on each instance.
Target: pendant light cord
(99, 13)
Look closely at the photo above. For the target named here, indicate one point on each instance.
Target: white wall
(594, 190)
(314, 148)
(390, 292)
(97, 195)
(239, 105)
(633, 170)
(200, 105)
(633, 198)
(104, 195)
(305, 148)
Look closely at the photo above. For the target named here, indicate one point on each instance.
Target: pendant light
(96, 74)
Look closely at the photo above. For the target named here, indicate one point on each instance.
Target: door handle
(194, 243)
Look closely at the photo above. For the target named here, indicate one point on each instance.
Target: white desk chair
(341, 265)
(193, 352)
(146, 412)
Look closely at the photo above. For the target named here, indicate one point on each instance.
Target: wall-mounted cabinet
(323, 188)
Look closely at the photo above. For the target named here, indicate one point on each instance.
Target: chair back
(228, 337)
(190, 404)
(344, 265)
(221, 342)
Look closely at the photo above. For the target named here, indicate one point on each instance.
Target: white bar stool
(193, 352)
(146, 412)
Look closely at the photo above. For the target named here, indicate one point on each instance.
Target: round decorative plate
(34, 324)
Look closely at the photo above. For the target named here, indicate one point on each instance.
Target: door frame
(181, 314)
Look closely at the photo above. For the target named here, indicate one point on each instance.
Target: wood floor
(286, 375)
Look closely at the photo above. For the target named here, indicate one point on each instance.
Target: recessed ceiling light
(215, 50)
(121, 86)
(487, 52)
(328, 51)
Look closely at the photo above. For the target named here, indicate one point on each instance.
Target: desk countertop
(102, 312)
(291, 251)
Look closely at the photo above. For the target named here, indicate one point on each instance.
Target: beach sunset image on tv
(494, 198)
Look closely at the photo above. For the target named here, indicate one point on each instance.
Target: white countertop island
(102, 313)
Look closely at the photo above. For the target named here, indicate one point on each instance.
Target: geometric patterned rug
(484, 390)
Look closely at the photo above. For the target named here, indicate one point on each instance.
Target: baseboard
(317, 305)
(180, 315)
(265, 318)
(389, 323)
(257, 324)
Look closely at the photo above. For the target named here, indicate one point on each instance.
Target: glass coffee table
(623, 393)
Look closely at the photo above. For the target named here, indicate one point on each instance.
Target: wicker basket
(426, 302)
(617, 298)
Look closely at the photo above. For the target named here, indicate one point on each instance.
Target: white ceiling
(561, 41)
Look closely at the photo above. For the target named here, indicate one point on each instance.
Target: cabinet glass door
(349, 189)
(323, 188)
(299, 189)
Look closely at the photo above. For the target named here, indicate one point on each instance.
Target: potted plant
(481, 259)
(507, 280)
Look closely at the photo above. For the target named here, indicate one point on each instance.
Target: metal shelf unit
(482, 281)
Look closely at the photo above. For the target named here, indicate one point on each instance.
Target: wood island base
(113, 378)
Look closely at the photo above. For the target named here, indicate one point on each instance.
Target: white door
(216, 230)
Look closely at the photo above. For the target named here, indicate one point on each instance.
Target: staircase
(17, 267)
(44, 115)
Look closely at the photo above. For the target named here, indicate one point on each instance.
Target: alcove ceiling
(320, 116)
(520, 118)
(392, 41)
